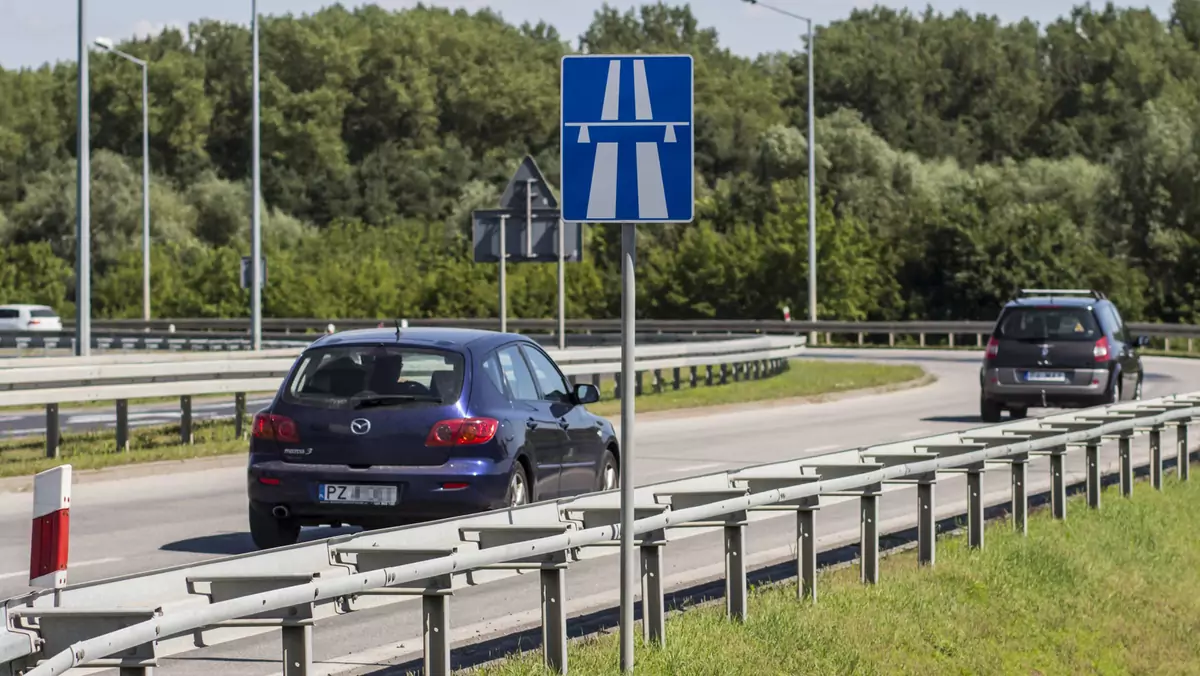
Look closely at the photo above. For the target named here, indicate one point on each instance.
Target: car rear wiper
(387, 399)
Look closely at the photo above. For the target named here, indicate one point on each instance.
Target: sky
(33, 32)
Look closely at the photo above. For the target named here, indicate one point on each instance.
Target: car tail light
(1100, 351)
(454, 486)
(269, 481)
(273, 427)
(993, 347)
(463, 432)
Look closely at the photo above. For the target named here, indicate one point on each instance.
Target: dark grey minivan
(1056, 348)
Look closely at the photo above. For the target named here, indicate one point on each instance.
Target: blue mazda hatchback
(385, 427)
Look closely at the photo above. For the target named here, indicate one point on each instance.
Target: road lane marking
(70, 565)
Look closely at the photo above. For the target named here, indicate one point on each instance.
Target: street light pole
(107, 45)
(812, 162)
(83, 197)
(255, 223)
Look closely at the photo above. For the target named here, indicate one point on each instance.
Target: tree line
(959, 158)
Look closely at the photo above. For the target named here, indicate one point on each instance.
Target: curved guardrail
(132, 622)
(52, 381)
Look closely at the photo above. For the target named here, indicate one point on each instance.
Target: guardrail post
(922, 338)
(185, 420)
(1156, 464)
(869, 545)
(1123, 445)
(297, 649)
(694, 378)
(735, 567)
(637, 386)
(860, 338)
(239, 414)
(53, 431)
(554, 617)
(978, 340)
(708, 378)
(951, 340)
(654, 607)
(658, 381)
(122, 425)
(806, 553)
(435, 627)
(675, 381)
(975, 507)
(891, 339)
(1182, 457)
(617, 385)
(1020, 493)
(1093, 474)
(724, 374)
(1058, 483)
(926, 522)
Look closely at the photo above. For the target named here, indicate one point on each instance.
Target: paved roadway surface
(121, 526)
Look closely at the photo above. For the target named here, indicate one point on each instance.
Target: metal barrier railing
(134, 621)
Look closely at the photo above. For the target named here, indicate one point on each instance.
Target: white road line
(694, 468)
(70, 565)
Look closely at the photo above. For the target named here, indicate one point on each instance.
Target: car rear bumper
(1081, 387)
(422, 495)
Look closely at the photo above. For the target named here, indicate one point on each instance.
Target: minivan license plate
(358, 494)
(1045, 376)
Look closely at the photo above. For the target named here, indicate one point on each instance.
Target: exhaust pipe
(280, 512)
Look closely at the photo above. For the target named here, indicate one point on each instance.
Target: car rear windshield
(1049, 323)
(375, 376)
(42, 312)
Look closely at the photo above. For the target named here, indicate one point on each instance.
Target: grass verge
(1112, 591)
(96, 450)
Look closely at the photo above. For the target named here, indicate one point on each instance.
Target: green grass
(1114, 591)
(805, 378)
(97, 450)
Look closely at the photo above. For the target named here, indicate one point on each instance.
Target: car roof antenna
(397, 329)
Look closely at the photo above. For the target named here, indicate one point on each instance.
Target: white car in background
(29, 318)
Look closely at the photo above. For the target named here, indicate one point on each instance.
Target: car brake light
(463, 432)
(273, 427)
(993, 347)
(1100, 351)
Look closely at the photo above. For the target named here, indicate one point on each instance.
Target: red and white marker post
(51, 528)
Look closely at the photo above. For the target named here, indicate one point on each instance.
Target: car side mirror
(586, 393)
(1142, 341)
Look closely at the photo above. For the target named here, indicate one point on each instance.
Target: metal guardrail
(134, 621)
(232, 334)
(51, 381)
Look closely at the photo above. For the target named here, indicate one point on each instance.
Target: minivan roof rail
(1063, 292)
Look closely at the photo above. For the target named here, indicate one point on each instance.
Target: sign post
(628, 157)
(529, 223)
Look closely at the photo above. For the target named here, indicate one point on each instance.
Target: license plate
(358, 494)
(1045, 376)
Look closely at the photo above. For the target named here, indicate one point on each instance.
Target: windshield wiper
(388, 399)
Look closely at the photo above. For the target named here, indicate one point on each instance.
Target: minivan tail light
(1100, 351)
(993, 347)
(272, 427)
(463, 432)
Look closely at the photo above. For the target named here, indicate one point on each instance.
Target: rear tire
(269, 532)
(518, 487)
(989, 411)
(609, 477)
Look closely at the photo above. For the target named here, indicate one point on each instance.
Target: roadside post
(527, 228)
(51, 533)
(628, 157)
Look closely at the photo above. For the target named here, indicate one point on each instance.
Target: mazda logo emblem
(360, 426)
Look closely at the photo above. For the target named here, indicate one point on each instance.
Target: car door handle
(564, 424)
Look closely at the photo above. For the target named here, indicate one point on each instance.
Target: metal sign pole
(562, 289)
(529, 218)
(628, 570)
(83, 199)
(503, 277)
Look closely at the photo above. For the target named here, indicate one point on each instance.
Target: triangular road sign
(514, 194)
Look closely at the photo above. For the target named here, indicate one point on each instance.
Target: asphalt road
(127, 525)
